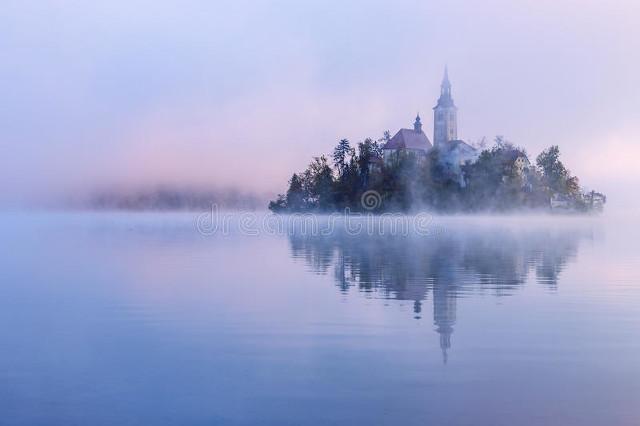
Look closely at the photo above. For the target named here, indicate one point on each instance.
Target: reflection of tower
(417, 308)
(407, 269)
(444, 315)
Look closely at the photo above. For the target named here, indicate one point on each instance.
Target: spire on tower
(445, 79)
(445, 87)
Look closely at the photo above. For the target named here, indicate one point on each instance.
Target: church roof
(409, 139)
(457, 152)
(457, 145)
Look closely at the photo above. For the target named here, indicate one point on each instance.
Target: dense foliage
(500, 179)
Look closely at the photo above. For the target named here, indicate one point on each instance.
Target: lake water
(139, 319)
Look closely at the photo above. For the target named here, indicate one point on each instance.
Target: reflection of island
(447, 266)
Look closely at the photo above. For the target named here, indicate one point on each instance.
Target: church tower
(445, 115)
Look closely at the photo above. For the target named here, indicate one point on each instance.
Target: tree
(342, 154)
(555, 176)
(367, 151)
(493, 182)
(279, 205)
(346, 185)
(317, 184)
(296, 198)
(386, 137)
(553, 171)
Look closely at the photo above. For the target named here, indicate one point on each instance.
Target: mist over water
(140, 318)
(142, 281)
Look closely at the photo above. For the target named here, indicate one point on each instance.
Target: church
(453, 152)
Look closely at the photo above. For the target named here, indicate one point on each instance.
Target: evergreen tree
(295, 199)
(317, 184)
(341, 156)
(367, 151)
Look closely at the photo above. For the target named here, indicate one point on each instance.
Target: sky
(239, 94)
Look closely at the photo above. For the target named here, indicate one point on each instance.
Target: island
(407, 173)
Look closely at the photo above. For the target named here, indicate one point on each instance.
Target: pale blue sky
(145, 92)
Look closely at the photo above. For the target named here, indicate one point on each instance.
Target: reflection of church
(411, 268)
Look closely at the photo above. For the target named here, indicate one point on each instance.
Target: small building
(560, 202)
(595, 200)
(453, 155)
(457, 152)
(407, 142)
(517, 165)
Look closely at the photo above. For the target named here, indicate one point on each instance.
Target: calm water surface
(117, 319)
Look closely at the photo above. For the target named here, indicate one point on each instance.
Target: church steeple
(445, 87)
(445, 90)
(445, 115)
(417, 126)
